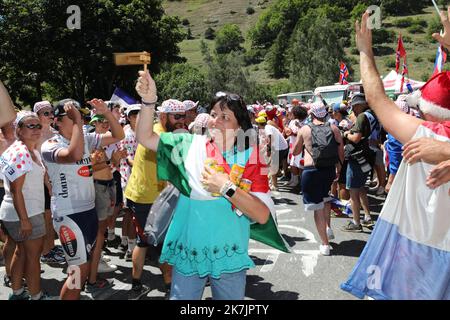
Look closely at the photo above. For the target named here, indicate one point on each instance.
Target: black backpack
(324, 145)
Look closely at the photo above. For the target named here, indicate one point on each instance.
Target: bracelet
(227, 185)
(149, 103)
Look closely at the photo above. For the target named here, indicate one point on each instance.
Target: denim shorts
(230, 286)
(356, 178)
(140, 213)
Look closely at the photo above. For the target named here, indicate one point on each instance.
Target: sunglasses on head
(229, 96)
(33, 126)
(178, 116)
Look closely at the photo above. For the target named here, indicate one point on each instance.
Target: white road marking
(269, 266)
(283, 211)
(308, 234)
(292, 220)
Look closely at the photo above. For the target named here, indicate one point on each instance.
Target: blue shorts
(316, 186)
(356, 178)
(77, 233)
(394, 162)
(140, 213)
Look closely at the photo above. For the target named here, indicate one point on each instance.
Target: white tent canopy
(392, 82)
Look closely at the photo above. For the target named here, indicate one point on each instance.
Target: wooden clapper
(132, 58)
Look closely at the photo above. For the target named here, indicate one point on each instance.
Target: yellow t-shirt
(143, 185)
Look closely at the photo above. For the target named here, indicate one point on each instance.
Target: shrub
(185, 22)
(403, 23)
(416, 28)
(210, 33)
(250, 10)
(418, 59)
(390, 63)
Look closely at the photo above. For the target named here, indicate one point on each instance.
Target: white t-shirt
(278, 141)
(130, 144)
(33, 187)
(72, 184)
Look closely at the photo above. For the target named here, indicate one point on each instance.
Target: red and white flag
(343, 74)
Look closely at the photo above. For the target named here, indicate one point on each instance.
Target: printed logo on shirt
(85, 161)
(64, 189)
(68, 240)
(85, 171)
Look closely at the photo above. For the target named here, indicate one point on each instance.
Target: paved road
(302, 274)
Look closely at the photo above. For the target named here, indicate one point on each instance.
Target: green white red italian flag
(187, 157)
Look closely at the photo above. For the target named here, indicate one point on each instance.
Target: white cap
(133, 107)
(172, 106)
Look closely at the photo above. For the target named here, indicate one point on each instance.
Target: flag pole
(436, 7)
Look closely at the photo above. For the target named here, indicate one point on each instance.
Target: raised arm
(6, 106)
(75, 151)
(445, 38)
(397, 123)
(116, 133)
(146, 88)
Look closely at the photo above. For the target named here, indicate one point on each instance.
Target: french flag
(122, 97)
(441, 58)
(407, 256)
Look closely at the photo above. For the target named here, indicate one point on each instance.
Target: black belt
(107, 183)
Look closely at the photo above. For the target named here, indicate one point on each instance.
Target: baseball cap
(189, 104)
(172, 106)
(133, 107)
(260, 119)
(58, 109)
(96, 117)
(358, 99)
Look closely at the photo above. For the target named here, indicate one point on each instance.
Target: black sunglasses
(33, 126)
(178, 116)
(46, 113)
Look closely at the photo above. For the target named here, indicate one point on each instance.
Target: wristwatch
(228, 190)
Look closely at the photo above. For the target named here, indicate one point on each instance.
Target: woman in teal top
(208, 236)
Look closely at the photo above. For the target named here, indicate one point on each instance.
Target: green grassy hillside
(202, 14)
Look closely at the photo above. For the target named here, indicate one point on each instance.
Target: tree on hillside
(403, 7)
(276, 57)
(229, 38)
(226, 72)
(316, 52)
(182, 81)
(79, 62)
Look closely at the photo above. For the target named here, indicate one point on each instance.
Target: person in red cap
(408, 252)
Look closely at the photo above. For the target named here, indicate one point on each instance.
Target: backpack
(324, 146)
(375, 127)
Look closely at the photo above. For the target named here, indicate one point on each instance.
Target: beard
(172, 127)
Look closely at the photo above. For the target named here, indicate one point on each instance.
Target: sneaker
(46, 296)
(351, 227)
(123, 248)
(99, 285)
(325, 249)
(7, 281)
(58, 249)
(104, 267)
(53, 257)
(380, 191)
(23, 296)
(330, 234)
(367, 223)
(115, 242)
(136, 292)
(128, 256)
(105, 257)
